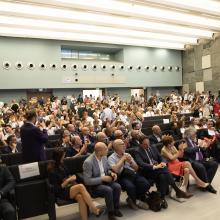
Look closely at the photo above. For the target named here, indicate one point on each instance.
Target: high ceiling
(169, 24)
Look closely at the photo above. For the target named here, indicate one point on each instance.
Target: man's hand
(106, 179)
(83, 149)
(114, 176)
(159, 166)
(163, 164)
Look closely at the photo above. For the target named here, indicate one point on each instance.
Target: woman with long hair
(66, 187)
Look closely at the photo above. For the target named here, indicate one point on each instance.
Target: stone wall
(201, 66)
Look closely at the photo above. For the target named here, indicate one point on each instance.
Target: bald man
(98, 175)
(156, 136)
(130, 180)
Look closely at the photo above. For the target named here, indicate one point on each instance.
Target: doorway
(137, 92)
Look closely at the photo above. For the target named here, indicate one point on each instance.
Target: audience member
(33, 138)
(98, 175)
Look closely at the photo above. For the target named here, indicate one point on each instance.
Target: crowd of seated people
(109, 126)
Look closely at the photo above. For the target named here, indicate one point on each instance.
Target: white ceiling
(169, 24)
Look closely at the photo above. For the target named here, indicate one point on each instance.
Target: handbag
(154, 201)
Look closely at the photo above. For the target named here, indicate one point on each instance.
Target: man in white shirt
(107, 114)
(101, 180)
(131, 181)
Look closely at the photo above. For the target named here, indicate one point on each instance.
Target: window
(83, 55)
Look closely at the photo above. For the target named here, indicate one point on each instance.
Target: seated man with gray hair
(204, 167)
(131, 181)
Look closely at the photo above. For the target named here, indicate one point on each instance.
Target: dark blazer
(134, 143)
(143, 161)
(8, 150)
(6, 181)
(71, 152)
(153, 139)
(33, 140)
(190, 151)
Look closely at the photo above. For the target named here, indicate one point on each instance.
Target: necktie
(199, 155)
(150, 155)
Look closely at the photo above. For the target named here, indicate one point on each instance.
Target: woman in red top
(176, 167)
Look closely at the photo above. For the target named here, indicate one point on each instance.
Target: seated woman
(66, 187)
(177, 167)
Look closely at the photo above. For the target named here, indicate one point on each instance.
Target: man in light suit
(33, 138)
(97, 175)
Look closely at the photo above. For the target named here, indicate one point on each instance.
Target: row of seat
(35, 195)
(16, 158)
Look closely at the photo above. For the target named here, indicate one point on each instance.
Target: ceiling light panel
(71, 27)
(9, 8)
(19, 32)
(201, 6)
(136, 10)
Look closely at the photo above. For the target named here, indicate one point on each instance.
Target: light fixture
(6, 65)
(138, 68)
(117, 21)
(154, 67)
(130, 67)
(84, 28)
(53, 66)
(63, 66)
(19, 65)
(74, 66)
(30, 66)
(177, 68)
(170, 68)
(162, 68)
(112, 67)
(94, 67)
(146, 68)
(121, 67)
(205, 6)
(103, 67)
(142, 11)
(42, 34)
(84, 67)
(42, 66)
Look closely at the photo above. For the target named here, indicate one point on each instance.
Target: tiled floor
(203, 206)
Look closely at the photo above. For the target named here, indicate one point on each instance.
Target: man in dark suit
(135, 135)
(156, 137)
(204, 168)
(13, 146)
(153, 167)
(7, 211)
(88, 139)
(33, 138)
